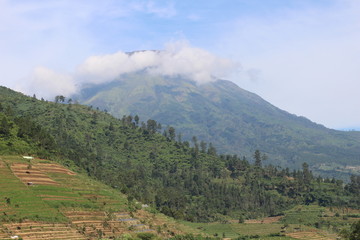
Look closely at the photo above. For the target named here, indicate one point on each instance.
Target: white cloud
(178, 59)
(59, 34)
(47, 83)
(194, 63)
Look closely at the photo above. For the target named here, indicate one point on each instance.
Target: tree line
(183, 179)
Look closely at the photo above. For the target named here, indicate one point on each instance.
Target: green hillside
(234, 120)
(64, 204)
(187, 181)
(183, 180)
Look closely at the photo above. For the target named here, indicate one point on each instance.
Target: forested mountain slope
(234, 120)
(183, 180)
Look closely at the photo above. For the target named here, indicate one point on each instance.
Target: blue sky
(301, 55)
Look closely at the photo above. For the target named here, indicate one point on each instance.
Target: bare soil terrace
(30, 175)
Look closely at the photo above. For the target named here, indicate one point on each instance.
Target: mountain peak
(234, 120)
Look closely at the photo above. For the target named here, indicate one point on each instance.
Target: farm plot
(312, 235)
(53, 168)
(37, 230)
(18, 201)
(62, 197)
(165, 225)
(97, 224)
(4, 234)
(31, 175)
(56, 195)
(99, 195)
(265, 220)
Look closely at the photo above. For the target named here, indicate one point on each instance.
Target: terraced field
(312, 235)
(3, 233)
(18, 203)
(40, 199)
(50, 231)
(101, 224)
(30, 175)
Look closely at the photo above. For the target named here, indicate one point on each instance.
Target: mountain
(180, 181)
(234, 120)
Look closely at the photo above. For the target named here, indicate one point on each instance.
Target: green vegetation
(61, 202)
(234, 120)
(353, 233)
(17, 203)
(180, 179)
(47, 202)
(234, 230)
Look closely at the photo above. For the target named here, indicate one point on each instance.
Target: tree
(172, 133)
(5, 126)
(94, 118)
(353, 234)
(194, 140)
(203, 146)
(136, 118)
(59, 98)
(151, 126)
(211, 150)
(307, 175)
(257, 157)
(129, 120)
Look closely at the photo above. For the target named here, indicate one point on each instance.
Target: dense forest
(152, 164)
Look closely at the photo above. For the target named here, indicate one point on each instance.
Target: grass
(21, 202)
(235, 230)
(304, 215)
(299, 220)
(46, 202)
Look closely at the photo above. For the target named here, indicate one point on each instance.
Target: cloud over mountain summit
(177, 59)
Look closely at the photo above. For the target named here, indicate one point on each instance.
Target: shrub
(146, 236)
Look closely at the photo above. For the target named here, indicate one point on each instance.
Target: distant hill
(234, 120)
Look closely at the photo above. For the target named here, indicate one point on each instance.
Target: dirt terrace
(37, 231)
(4, 233)
(312, 235)
(264, 220)
(53, 168)
(99, 224)
(30, 174)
